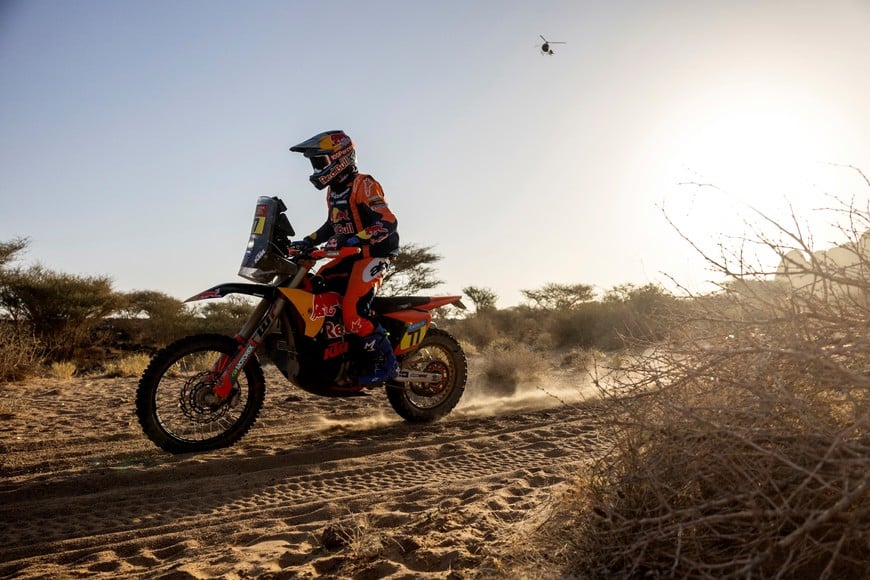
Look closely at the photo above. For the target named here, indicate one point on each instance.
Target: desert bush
(626, 313)
(479, 330)
(741, 443)
(520, 324)
(507, 364)
(20, 351)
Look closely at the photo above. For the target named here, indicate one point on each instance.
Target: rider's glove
(304, 245)
(340, 241)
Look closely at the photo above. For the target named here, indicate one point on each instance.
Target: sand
(332, 488)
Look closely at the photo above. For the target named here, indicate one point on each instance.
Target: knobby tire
(172, 414)
(439, 352)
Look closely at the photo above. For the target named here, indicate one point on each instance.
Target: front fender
(221, 290)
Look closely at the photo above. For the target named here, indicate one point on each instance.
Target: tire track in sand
(166, 506)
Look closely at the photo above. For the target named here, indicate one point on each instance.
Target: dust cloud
(550, 390)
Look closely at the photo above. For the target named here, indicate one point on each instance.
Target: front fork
(228, 368)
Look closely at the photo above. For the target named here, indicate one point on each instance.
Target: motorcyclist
(358, 216)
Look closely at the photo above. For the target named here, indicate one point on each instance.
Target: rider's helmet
(332, 156)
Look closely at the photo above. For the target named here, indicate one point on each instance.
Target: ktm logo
(335, 349)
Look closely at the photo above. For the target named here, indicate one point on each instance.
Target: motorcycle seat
(386, 304)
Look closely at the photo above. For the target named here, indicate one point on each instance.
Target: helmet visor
(319, 162)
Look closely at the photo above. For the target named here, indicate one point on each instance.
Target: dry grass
(129, 366)
(62, 371)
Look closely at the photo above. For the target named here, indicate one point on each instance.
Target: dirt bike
(205, 391)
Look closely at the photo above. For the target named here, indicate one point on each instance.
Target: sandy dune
(319, 487)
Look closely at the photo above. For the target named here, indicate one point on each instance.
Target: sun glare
(754, 151)
(755, 148)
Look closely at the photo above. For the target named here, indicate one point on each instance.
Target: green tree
(225, 316)
(484, 299)
(61, 308)
(158, 317)
(411, 271)
(644, 299)
(20, 349)
(9, 303)
(560, 296)
(9, 251)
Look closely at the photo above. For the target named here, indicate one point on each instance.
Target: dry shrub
(580, 359)
(507, 364)
(62, 370)
(741, 445)
(359, 541)
(480, 330)
(20, 351)
(129, 366)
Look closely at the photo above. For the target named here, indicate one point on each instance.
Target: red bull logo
(340, 215)
(376, 232)
(334, 141)
(339, 167)
(325, 304)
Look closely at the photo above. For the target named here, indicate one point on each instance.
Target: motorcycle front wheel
(439, 353)
(176, 404)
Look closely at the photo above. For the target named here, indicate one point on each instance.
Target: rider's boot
(377, 358)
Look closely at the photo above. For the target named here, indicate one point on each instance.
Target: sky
(136, 136)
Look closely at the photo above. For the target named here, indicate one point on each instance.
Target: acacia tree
(9, 251)
(224, 316)
(411, 271)
(484, 299)
(560, 296)
(20, 350)
(163, 317)
(62, 309)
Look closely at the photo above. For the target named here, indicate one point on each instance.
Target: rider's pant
(357, 279)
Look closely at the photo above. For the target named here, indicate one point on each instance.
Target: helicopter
(545, 48)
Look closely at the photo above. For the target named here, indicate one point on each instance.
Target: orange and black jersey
(361, 210)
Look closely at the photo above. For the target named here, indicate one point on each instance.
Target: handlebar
(323, 253)
(339, 253)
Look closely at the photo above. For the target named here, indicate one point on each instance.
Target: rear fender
(439, 301)
(412, 317)
(414, 325)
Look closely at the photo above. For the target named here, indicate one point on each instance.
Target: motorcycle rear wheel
(423, 403)
(175, 400)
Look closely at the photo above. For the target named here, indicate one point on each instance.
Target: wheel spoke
(186, 405)
(177, 403)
